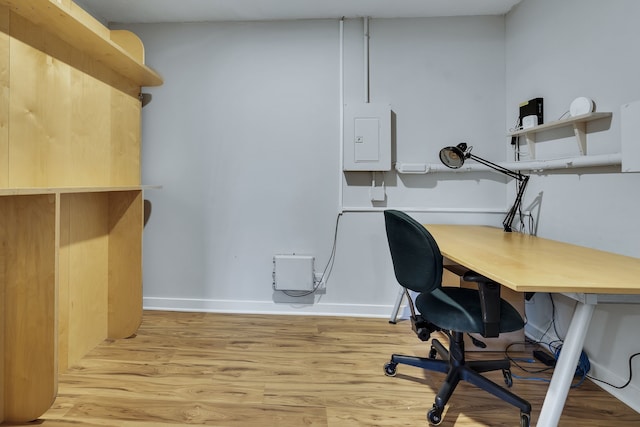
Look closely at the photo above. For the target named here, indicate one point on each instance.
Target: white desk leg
(566, 366)
(396, 307)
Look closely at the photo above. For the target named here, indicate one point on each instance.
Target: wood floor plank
(196, 412)
(285, 371)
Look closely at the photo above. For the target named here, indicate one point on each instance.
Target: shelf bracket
(531, 143)
(580, 131)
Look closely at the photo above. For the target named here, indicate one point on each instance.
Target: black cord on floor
(616, 386)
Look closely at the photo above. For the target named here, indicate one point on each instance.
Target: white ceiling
(136, 11)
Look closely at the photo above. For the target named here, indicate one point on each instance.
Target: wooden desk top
(527, 263)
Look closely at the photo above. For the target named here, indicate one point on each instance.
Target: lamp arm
(508, 172)
(461, 151)
(508, 220)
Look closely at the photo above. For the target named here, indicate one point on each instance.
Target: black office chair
(417, 263)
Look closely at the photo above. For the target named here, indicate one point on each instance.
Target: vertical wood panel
(4, 175)
(39, 102)
(129, 42)
(4, 97)
(3, 312)
(125, 139)
(90, 123)
(27, 233)
(88, 273)
(63, 283)
(125, 263)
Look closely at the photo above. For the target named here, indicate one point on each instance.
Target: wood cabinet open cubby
(71, 200)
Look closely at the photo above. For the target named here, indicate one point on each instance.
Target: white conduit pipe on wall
(341, 108)
(535, 166)
(567, 163)
(367, 93)
(353, 209)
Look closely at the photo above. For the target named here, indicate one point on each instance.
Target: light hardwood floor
(286, 371)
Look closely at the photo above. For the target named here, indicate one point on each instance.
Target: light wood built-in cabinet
(71, 200)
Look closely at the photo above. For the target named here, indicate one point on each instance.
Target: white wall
(244, 136)
(559, 51)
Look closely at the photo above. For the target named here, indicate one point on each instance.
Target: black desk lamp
(454, 157)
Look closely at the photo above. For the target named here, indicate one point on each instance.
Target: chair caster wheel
(390, 369)
(434, 416)
(432, 353)
(508, 379)
(525, 419)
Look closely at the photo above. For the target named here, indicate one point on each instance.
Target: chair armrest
(489, 302)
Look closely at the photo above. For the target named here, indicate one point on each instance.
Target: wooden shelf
(54, 17)
(70, 190)
(562, 123)
(578, 123)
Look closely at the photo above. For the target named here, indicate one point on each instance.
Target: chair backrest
(417, 261)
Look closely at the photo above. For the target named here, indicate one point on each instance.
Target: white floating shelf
(579, 124)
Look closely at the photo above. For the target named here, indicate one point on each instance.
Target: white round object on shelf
(581, 105)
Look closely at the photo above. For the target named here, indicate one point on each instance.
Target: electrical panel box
(367, 137)
(293, 272)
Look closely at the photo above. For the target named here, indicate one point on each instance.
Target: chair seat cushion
(458, 309)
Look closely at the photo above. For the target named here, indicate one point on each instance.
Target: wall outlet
(377, 194)
(321, 285)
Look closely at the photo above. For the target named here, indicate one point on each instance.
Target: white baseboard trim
(266, 307)
(628, 395)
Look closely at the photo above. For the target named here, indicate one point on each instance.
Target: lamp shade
(453, 157)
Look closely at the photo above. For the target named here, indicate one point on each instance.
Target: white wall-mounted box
(293, 272)
(367, 137)
(630, 136)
